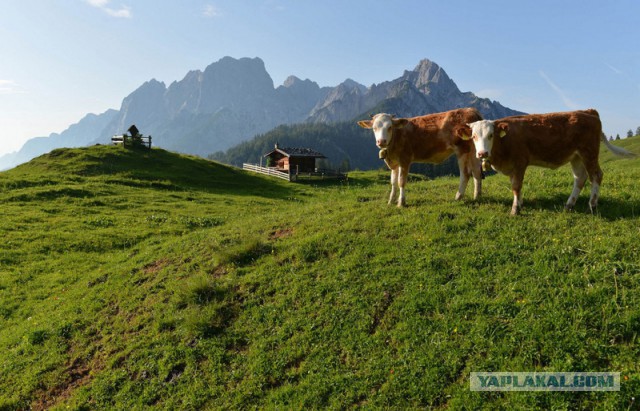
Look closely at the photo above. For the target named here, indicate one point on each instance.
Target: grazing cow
(549, 140)
(427, 139)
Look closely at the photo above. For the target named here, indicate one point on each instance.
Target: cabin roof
(295, 152)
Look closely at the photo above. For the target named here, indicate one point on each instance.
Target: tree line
(629, 134)
(346, 145)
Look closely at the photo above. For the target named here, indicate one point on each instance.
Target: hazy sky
(62, 59)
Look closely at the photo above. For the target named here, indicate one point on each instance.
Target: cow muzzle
(483, 154)
(381, 143)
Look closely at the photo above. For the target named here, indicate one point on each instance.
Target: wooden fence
(319, 174)
(267, 171)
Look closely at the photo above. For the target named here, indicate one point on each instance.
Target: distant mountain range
(233, 100)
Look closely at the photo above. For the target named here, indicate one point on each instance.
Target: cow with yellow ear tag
(511, 144)
(426, 139)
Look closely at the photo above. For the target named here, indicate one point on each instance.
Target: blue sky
(63, 59)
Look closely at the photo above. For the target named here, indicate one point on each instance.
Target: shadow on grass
(608, 208)
(378, 177)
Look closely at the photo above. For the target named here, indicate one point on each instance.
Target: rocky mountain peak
(151, 87)
(249, 71)
(427, 76)
(145, 106)
(291, 81)
(353, 85)
(233, 82)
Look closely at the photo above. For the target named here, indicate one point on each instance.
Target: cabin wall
(303, 164)
(283, 164)
(300, 164)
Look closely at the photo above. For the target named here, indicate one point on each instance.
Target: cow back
(431, 138)
(549, 140)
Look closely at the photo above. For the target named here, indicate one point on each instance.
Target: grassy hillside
(136, 280)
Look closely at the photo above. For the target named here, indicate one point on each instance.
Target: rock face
(297, 98)
(342, 103)
(232, 100)
(425, 89)
(229, 102)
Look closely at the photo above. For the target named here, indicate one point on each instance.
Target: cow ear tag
(460, 133)
(503, 133)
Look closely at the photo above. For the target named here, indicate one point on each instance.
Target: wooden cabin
(294, 164)
(294, 160)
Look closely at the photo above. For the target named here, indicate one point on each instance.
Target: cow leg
(595, 176)
(464, 176)
(516, 186)
(476, 170)
(403, 173)
(394, 185)
(579, 178)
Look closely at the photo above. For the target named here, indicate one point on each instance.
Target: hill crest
(150, 168)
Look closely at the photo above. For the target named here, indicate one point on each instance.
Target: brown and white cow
(426, 139)
(511, 144)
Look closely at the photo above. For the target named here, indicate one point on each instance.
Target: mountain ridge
(233, 100)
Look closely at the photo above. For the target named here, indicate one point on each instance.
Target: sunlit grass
(133, 280)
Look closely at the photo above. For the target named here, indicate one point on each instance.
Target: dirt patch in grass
(77, 374)
(156, 266)
(281, 233)
(381, 309)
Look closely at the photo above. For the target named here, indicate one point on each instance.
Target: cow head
(383, 126)
(482, 133)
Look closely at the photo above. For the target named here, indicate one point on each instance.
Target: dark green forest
(346, 146)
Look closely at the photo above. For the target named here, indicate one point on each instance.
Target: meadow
(151, 280)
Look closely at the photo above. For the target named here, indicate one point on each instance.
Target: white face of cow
(382, 129)
(382, 125)
(482, 133)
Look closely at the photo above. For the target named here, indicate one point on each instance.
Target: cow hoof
(568, 208)
(458, 196)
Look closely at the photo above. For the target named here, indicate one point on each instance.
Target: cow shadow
(612, 209)
(609, 208)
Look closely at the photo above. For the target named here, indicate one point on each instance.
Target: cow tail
(619, 151)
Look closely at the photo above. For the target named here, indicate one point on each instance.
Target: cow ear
(503, 128)
(400, 122)
(463, 132)
(365, 123)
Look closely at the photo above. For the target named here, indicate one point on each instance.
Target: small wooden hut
(296, 160)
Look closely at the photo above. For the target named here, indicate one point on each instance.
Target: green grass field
(147, 279)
